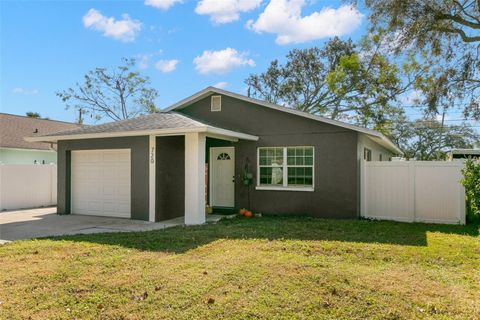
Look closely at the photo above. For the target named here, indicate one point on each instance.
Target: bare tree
(118, 93)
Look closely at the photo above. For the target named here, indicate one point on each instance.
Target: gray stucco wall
(139, 167)
(336, 165)
(377, 150)
(170, 177)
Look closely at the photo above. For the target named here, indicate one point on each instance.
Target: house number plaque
(152, 155)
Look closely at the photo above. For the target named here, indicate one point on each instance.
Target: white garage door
(101, 182)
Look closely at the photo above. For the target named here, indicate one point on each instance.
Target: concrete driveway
(44, 222)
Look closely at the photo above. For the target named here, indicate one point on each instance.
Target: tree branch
(460, 32)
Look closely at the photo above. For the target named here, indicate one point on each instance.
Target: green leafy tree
(32, 114)
(430, 139)
(118, 93)
(339, 81)
(445, 37)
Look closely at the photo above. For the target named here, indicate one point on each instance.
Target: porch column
(151, 177)
(195, 178)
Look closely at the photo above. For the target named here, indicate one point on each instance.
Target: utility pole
(80, 120)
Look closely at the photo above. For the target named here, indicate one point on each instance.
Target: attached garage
(101, 182)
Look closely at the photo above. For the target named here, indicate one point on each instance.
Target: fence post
(51, 185)
(1, 184)
(363, 187)
(463, 203)
(411, 178)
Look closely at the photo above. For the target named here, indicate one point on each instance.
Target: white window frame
(285, 186)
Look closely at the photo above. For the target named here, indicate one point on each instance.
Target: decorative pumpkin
(242, 211)
(248, 214)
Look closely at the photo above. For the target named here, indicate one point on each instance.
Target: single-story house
(462, 154)
(199, 151)
(13, 147)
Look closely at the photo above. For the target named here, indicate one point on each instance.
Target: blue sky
(47, 46)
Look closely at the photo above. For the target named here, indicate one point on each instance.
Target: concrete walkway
(44, 222)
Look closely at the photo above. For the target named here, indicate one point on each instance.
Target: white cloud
(166, 66)
(284, 18)
(24, 91)
(412, 98)
(221, 85)
(162, 4)
(124, 29)
(143, 60)
(225, 11)
(222, 61)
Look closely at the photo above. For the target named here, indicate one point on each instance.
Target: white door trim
(210, 172)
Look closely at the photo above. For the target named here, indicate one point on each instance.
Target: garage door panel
(123, 191)
(116, 157)
(101, 182)
(122, 207)
(96, 206)
(109, 191)
(86, 190)
(109, 174)
(94, 157)
(123, 175)
(109, 206)
(80, 157)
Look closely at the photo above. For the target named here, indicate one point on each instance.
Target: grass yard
(261, 268)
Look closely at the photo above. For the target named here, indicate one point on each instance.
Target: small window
(286, 167)
(216, 103)
(367, 154)
(223, 156)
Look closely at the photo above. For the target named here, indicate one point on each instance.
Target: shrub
(471, 182)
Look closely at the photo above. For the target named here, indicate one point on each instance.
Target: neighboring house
(13, 147)
(154, 167)
(462, 154)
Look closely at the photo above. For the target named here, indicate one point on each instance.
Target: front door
(222, 177)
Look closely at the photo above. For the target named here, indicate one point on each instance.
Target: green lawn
(261, 268)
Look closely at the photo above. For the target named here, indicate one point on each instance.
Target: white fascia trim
(385, 142)
(391, 145)
(114, 134)
(205, 92)
(231, 134)
(157, 132)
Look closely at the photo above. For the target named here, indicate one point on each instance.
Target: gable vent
(216, 103)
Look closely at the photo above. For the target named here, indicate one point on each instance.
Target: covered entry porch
(189, 171)
(149, 168)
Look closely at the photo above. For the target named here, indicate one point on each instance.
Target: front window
(286, 167)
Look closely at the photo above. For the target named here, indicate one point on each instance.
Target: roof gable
(380, 138)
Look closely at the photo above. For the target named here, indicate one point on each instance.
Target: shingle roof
(14, 128)
(171, 120)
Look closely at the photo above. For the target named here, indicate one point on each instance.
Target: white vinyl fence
(413, 191)
(27, 186)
